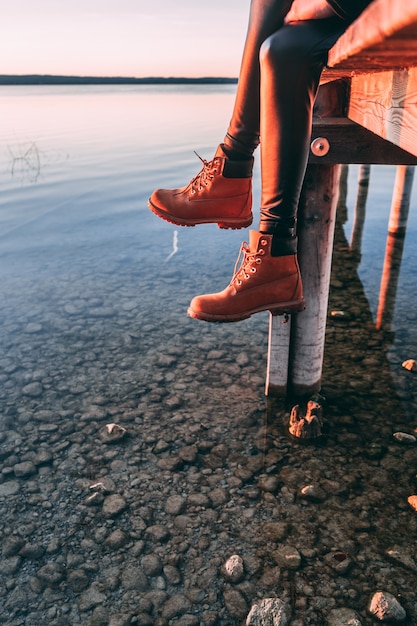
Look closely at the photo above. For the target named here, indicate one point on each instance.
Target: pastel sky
(122, 37)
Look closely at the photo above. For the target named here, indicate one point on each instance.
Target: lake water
(93, 330)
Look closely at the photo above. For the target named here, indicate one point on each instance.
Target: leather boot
(261, 283)
(220, 193)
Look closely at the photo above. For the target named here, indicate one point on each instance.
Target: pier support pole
(317, 216)
(395, 244)
(278, 355)
(360, 209)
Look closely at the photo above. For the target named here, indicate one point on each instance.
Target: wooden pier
(366, 113)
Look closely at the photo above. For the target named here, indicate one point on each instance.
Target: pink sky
(123, 37)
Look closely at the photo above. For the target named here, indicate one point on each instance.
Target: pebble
(343, 617)
(385, 607)
(175, 505)
(269, 612)
(34, 390)
(403, 557)
(91, 597)
(112, 433)
(9, 488)
(269, 483)
(43, 457)
(412, 501)
(176, 605)
(410, 365)
(78, 580)
(117, 539)
(151, 564)
(113, 505)
(32, 552)
(51, 574)
(339, 315)
(234, 569)
(134, 579)
(405, 438)
(158, 533)
(25, 469)
(287, 557)
(12, 545)
(312, 493)
(339, 561)
(235, 603)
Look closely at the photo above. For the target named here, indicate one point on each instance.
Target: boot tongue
(254, 238)
(220, 152)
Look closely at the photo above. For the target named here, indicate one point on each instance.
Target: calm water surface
(93, 293)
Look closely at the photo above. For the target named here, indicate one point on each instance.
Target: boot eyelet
(239, 282)
(258, 261)
(200, 188)
(263, 242)
(253, 270)
(193, 191)
(246, 276)
(261, 252)
(214, 171)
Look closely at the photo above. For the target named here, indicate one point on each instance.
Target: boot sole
(222, 222)
(283, 308)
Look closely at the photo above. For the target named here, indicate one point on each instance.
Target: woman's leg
(222, 191)
(291, 60)
(265, 18)
(269, 277)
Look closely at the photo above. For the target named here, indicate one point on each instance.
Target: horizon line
(30, 79)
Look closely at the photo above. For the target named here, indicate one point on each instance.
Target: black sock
(282, 246)
(237, 165)
(235, 155)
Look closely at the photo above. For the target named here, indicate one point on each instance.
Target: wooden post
(317, 215)
(395, 244)
(278, 355)
(360, 209)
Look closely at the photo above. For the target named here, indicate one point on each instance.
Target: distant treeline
(40, 79)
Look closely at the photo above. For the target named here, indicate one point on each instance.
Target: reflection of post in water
(395, 244)
(360, 209)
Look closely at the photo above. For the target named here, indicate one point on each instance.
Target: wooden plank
(385, 103)
(383, 37)
(317, 215)
(352, 143)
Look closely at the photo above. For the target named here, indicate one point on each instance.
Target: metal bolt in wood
(320, 146)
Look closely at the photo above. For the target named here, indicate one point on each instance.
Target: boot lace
(205, 175)
(245, 264)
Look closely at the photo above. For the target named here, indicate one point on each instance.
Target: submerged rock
(386, 608)
(112, 433)
(405, 438)
(234, 569)
(306, 426)
(412, 501)
(410, 365)
(343, 617)
(269, 612)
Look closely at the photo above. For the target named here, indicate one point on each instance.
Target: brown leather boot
(221, 192)
(261, 283)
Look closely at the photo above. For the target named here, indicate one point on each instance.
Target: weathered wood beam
(349, 142)
(385, 103)
(383, 37)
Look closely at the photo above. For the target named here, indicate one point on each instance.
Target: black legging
(278, 82)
